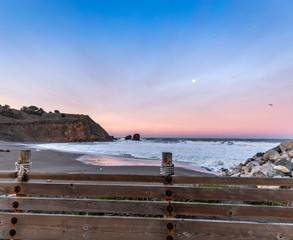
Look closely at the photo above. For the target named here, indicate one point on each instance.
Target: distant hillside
(33, 124)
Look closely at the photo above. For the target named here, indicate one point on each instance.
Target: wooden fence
(97, 206)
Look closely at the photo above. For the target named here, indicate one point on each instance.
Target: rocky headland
(33, 124)
(276, 162)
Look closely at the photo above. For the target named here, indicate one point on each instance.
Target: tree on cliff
(6, 111)
(32, 110)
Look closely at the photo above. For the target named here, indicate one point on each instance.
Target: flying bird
(271, 104)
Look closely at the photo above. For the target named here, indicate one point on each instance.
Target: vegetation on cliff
(35, 125)
(33, 110)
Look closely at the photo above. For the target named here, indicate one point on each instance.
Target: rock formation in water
(136, 137)
(128, 137)
(32, 124)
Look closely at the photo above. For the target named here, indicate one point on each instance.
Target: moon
(194, 80)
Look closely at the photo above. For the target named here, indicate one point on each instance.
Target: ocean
(212, 154)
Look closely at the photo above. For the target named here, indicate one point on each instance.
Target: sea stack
(128, 137)
(136, 137)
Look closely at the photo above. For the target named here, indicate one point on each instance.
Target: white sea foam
(212, 154)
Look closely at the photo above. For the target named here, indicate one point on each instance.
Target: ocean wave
(201, 142)
(213, 154)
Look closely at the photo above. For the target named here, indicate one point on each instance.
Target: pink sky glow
(131, 68)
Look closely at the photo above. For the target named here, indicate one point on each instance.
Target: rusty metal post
(167, 169)
(22, 167)
(167, 166)
(167, 158)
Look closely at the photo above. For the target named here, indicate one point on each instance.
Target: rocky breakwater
(32, 124)
(276, 162)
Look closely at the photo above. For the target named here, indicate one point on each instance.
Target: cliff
(39, 126)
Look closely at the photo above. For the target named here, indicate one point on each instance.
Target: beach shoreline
(52, 161)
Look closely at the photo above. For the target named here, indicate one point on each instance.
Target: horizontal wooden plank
(233, 181)
(233, 210)
(37, 226)
(162, 179)
(87, 190)
(84, 205)
(155, 179)
(98, 177)
(141, 191)
(212, 230)
(7, 174)
(145, 207)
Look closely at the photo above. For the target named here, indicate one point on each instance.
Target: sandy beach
(58, 162)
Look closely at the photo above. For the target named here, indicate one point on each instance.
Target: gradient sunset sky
(158, 67)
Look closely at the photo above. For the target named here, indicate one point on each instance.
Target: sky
(192, 68)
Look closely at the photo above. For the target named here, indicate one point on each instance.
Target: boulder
(278, 149)
(258, 159)
(136, 137)
(259, 154)
(225, 172)
(282, 168)
(128, 137)
(240, 167)
(250, 166)
(290, 152)
(275, 173)
(261, 171)
(248, 161)
(285, 163)
(262, 162)
(282, 162)
(271, 154)
(286, 145)
(285, 155)
(289, 165)
(280, 159)
(238, 174)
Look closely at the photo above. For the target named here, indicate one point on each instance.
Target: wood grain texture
(155, 179)
(161, 179)
(148, 191)
(37, 226)
(234, 181)
(7, 175)
(167, 159)
(33, 226)
(24, 156)
(85, 205)
(146, 207)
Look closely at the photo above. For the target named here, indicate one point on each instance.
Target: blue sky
(130, 64)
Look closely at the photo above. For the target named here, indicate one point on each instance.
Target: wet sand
(57, 162)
